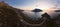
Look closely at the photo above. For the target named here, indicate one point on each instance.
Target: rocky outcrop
(8, 16)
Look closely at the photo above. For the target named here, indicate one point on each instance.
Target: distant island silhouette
(37, 10)
(57, 10)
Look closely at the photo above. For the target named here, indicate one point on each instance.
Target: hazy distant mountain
(57, 10)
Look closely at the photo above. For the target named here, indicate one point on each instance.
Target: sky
(31, 4)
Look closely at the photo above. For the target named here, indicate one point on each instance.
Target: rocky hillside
(8, 15)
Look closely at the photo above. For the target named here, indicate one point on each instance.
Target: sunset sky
(31, 4)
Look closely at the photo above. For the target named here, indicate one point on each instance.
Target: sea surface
(36, 15)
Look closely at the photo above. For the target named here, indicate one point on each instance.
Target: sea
(37, 15)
